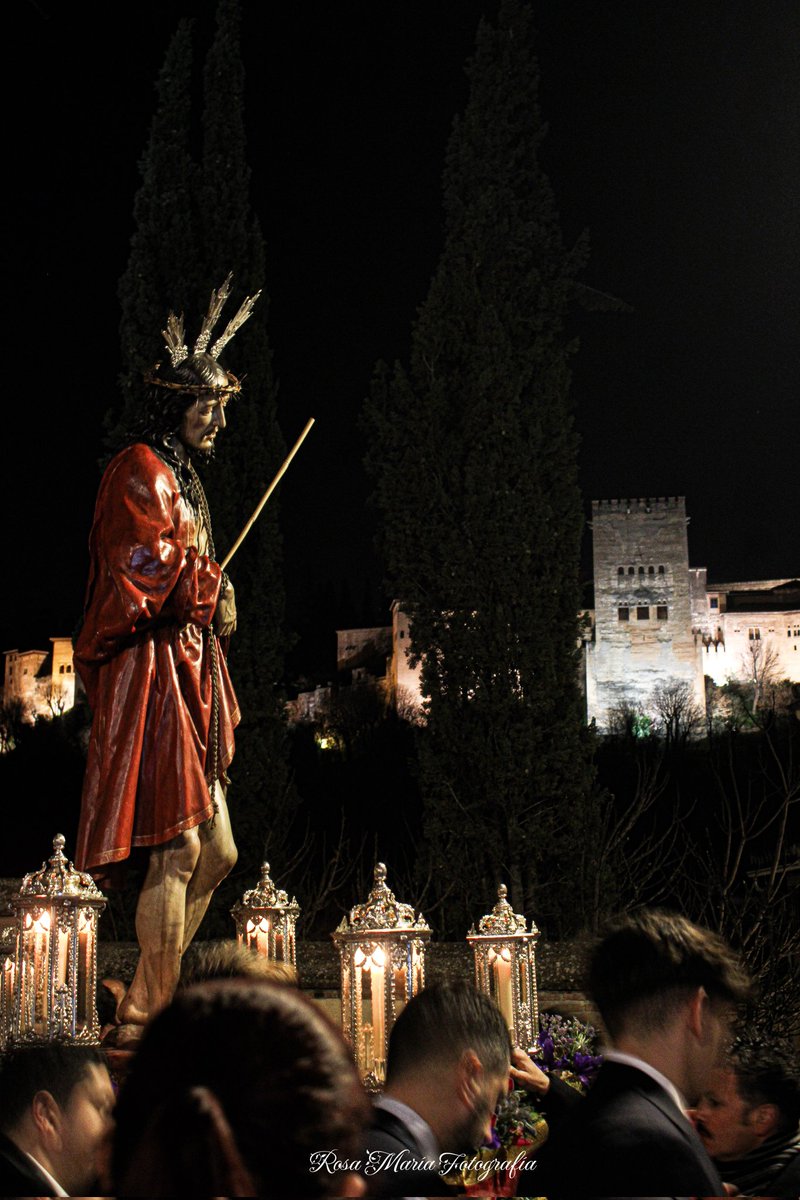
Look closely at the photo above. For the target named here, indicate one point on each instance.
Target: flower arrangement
(566, 1045)
(517, 1123)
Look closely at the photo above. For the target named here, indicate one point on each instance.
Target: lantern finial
(58, 877)
(382, 911)
(502, 919)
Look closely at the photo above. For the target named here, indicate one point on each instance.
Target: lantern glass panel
(523, 982)
(84, 962)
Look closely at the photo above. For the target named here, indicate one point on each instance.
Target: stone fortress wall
(642, 605)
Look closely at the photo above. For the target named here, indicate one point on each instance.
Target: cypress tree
(165, 245)
(474, 457)
(250, 452)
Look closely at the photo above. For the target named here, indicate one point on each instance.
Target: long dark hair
(160, 415)
(234, 1086)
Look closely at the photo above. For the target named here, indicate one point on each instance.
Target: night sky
(674, 130)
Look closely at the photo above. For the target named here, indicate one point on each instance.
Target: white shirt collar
(630, 1060)
(429, 1147)
(55, 1185)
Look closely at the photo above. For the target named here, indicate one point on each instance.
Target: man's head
(229, 960)
(187, 401)
(449, 1058)
(754, 1097)
(658, 980)
(188, 394)
(238, 1080)
(56, 1103)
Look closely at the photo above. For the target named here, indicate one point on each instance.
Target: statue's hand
(225, 615)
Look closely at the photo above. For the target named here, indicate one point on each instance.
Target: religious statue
(151, 655)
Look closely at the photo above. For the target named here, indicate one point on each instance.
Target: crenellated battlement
(640, 503)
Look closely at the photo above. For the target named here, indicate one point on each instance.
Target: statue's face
(202, 422)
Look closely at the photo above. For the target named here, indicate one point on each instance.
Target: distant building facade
(739, 616)
(404, 680)
(42, 682)
(640, 637)
(363, 658)
(363, 650)
(656, 622)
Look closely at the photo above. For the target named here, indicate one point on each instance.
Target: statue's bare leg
(160, 920)
(180, 881)
(217, 859)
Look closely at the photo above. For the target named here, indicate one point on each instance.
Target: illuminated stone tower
(643, 606)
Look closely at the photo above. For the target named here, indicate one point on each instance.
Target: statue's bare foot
(123, 1037)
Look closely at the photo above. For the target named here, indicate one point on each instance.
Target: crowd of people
(242, 1087)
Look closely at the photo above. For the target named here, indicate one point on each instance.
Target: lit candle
(41, 947)
(366, 1049)
(83, 1014)
(61, 962)
(378, 993)
(400, 990)
(502, 972)
(262, 937)
(9, 974)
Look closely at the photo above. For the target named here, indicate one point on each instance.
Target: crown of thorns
(175, 338)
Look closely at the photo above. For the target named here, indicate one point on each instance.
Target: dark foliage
(474, 458)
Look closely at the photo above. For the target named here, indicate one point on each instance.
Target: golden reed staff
(267, 494)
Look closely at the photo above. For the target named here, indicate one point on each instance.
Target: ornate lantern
(382, 952)
(8, 975)
(265, 920)
(57, 910)
(505, 967)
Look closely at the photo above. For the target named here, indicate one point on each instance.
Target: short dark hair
(54, 1067)
(229, 960)
(443, 1021)
(648, 963)
(768, 1074)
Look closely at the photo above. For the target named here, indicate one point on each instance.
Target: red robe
(143, 655)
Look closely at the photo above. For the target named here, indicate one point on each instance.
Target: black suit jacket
(626, 1138)
(18, 1175)
(389, 1135)
(558, 1102)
